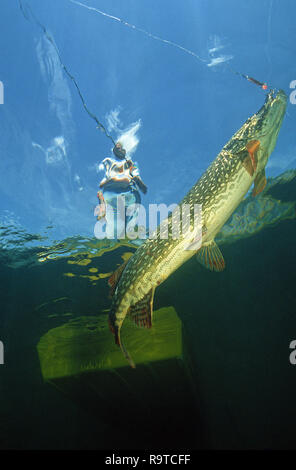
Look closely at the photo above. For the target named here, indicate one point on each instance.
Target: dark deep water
(238, 326)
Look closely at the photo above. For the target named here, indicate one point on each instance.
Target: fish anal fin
(141, 312)
(259, 183)
(211, 257)
(114, 279)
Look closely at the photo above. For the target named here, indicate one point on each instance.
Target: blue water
(187, 110)
(177, 101)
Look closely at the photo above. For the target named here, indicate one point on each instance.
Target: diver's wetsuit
(119, 183)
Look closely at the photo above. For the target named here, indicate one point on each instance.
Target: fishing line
(50, 39)
(140, 30)
(263, 85)
(268, 42)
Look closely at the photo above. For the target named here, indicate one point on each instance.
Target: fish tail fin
(124, 351)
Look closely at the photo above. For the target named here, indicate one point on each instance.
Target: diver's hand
(143, 188)
(141, 185)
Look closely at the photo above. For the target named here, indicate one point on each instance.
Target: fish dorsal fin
(141, 312)
(211, 257)
(259, 183)
(114, 279)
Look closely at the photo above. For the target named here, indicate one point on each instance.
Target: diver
(119, 188)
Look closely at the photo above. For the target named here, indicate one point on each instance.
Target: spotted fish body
(219, 191)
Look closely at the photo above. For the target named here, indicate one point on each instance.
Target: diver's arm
(105, 165)
(134, 172)
(140, 183)
(103, 182)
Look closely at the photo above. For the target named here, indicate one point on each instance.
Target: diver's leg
(110, 200)
(135, 215)
(100, 210)
(120, 216)
(100, 213)
(99, 231)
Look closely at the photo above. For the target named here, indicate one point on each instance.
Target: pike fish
(219, 191)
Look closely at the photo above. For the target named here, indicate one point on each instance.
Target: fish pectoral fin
(249, 156)
(259, 183)
(252, 148)
(114, 279)
(211, 257)
(141, 312)
(247, 163)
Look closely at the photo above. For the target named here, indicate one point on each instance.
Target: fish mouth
(270, 116)
(265, 125)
